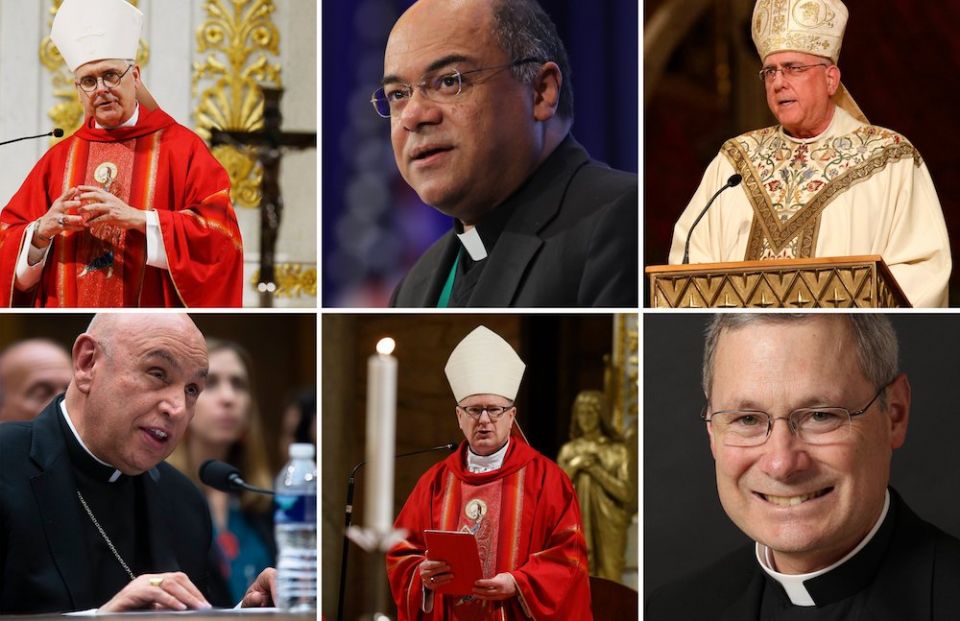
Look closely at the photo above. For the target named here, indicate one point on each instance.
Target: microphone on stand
(56, 133)
(733, 181)
(226, 478)
(351, 481)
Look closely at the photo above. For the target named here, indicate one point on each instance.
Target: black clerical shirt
(120, 508)
(468, 269)
(839, 594)
(909, 571)
(51, 555)
(567, 237)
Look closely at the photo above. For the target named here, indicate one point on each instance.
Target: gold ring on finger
(155, 582)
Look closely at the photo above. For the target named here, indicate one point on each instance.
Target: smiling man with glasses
(520, 506)
(831, 539)
(822, 182)
(479, 98)
(132, 209)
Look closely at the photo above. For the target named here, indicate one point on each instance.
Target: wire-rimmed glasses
(111, 79)
(789, 71)
(440, 87)
(813, 425)
(493, 411)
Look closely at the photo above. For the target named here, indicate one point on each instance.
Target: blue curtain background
(374, 225)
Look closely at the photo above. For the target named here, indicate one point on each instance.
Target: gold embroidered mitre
(810, 26)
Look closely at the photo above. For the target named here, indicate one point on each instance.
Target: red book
(460, 552)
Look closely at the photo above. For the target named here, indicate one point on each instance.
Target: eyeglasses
(111, 79)
(493, 411)
(789, 71)
(813, 425)
(389, 100)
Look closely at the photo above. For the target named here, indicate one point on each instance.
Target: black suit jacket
(571, 241)
(918, 580)
(42, 565)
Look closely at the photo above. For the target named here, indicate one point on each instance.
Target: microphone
(351, 480)
(56, 133)
(733, 181)
(226, 478)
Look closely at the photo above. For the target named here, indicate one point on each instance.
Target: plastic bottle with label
(295, 519)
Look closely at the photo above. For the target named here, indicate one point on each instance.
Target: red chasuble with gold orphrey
(155, 165)
(527, 522)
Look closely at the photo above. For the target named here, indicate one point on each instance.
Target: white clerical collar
(128, 123)
(479, 464)
(473, 244)
(793, 583)
(66, 416)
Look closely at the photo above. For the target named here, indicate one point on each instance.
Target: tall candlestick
(381, 431)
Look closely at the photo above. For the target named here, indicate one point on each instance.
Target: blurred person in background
(32, 373)
(299, 422)
(227, 426)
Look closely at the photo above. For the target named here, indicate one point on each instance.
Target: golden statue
(596, 461)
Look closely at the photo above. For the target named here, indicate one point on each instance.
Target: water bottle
(295, 521)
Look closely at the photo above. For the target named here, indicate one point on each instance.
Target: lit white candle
(381, 431)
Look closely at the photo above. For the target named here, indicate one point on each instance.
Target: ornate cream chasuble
(789, 182)
(854, 190)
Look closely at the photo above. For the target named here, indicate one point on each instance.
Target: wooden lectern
(838, 282)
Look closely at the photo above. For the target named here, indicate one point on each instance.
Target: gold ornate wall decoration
(622, 373)
(293, 280)
(236, 39)
(67, 113)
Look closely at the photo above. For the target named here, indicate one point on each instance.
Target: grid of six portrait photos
(480, 450)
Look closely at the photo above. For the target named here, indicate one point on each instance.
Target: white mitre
(809, 26)
(484, 363)
(89, 30)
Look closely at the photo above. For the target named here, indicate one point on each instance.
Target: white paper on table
(209, 611)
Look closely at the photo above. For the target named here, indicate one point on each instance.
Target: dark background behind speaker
(684, 526)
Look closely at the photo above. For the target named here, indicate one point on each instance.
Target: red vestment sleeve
(405, 557)
(554, 582)
(29, 203)
(201, 236)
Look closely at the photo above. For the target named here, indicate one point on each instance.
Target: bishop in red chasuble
(520, 506)
(130, 210)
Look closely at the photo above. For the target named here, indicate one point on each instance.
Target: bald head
(122, 327)
(32, 372)
(433, 30)
(136, 382)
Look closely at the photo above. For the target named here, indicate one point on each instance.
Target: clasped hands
(434, 574)
(175, 591)
(83, 206)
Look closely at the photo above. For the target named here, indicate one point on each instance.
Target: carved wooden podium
(838, 282)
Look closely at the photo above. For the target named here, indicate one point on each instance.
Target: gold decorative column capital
(236, 36)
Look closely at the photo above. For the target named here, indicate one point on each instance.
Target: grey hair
(878, 350)
(524, 30)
